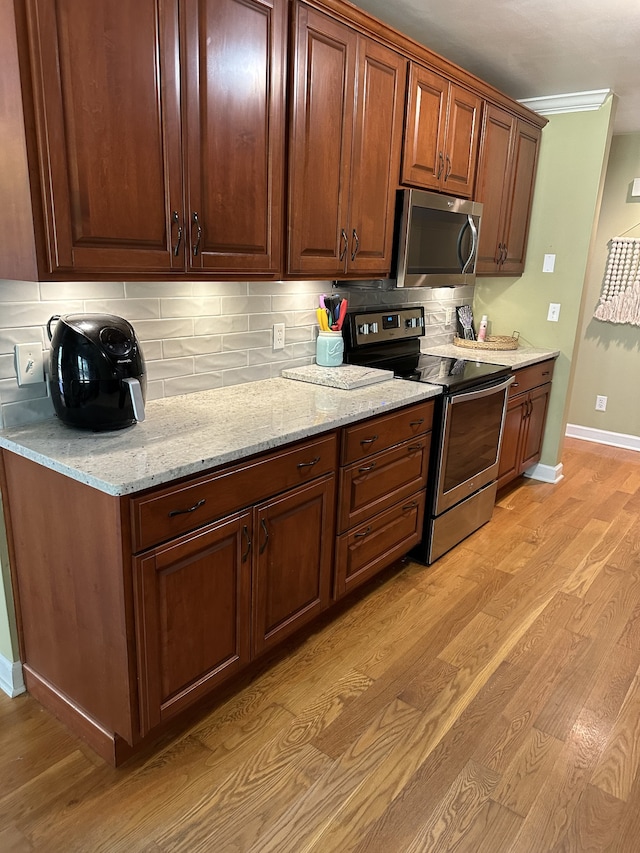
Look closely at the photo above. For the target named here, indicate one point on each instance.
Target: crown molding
(573, 102)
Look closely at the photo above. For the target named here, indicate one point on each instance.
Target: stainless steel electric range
(468, 422)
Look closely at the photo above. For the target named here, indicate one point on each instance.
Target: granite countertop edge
(185, 436)
(521, 357)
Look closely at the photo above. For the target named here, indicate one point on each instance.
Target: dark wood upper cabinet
(505, 183)
(234, 94)
(347, 108)
(125, 185)
(106, 98)
(441, 134)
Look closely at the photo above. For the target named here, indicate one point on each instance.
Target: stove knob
(374, 328)
(363, 329)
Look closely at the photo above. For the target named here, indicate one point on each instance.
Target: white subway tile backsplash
(157, 289)
(19, 291)
(169, 368)
(220, 361)
(130, 309)
(195, 335)
(52, 291)
(221, 325)
(245, 304)
(246, 340)
(154, 329)
(189, 384)
(176, 347)
(197, 306)
(246, 374)
(266, 321)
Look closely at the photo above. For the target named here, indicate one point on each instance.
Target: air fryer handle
(135, 391)
(51, 319)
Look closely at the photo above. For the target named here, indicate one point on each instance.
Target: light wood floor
(488, 704)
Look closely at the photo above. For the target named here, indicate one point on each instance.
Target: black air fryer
(97, 372)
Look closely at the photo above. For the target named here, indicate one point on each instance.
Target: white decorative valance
(620, 296)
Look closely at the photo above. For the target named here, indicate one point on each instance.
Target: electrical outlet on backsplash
(195, 335)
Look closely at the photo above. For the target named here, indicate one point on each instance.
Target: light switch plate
(29, 362)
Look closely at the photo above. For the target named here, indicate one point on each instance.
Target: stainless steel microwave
(437, 239)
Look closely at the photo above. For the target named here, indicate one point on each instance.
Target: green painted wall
(8, 633)
(608, 352)
(570, 175)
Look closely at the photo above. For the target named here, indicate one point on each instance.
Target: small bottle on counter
(482, 329)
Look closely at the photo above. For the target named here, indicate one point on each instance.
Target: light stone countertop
(192, 433)
(521, 357)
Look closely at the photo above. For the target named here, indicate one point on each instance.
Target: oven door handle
(465, 396)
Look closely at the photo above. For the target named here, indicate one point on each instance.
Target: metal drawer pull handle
(345, 244)
(546, 372)
(369, 440)
(419, 422)
(309, 464)
(412, 505)
(190, 509)
(516, 385)
(414, 447)
(198, 229)
(245, 533)
(266, 535)
(175, 219)
(366, 468)
(356, 245)
(365, 532)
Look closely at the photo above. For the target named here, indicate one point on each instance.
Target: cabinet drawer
(530, 377)
(378, 434)
(161, 515)
(369, 486)
(371, 547)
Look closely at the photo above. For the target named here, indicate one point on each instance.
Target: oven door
(471, 437)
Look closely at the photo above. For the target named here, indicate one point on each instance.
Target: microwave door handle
(461, 234)
(474, 243)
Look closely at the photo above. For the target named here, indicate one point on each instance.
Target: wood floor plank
(457, 811)
(594, 824)
(617, 768)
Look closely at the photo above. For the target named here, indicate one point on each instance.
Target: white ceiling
(532, 48)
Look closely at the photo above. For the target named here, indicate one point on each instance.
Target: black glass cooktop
(456, 373)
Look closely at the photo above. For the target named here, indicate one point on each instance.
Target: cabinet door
(422, 157)
(234, 61)
(524, 159)
(193, 604)
(108, 128)
(510, 450)
(536, 419)
(293, 549)
(375, 158)
(461, 147)
(320, 143)
(491, 186)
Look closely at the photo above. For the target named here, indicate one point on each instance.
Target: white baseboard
(11, 680)
(603, 436)
(545, 473)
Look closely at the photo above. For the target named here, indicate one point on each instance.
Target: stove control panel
(371, 326)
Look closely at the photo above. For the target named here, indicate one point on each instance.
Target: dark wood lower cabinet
(127, 618)
(525, 421)
(293, 545)
(193, 605)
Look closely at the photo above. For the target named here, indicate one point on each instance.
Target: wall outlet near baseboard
(601, 403)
